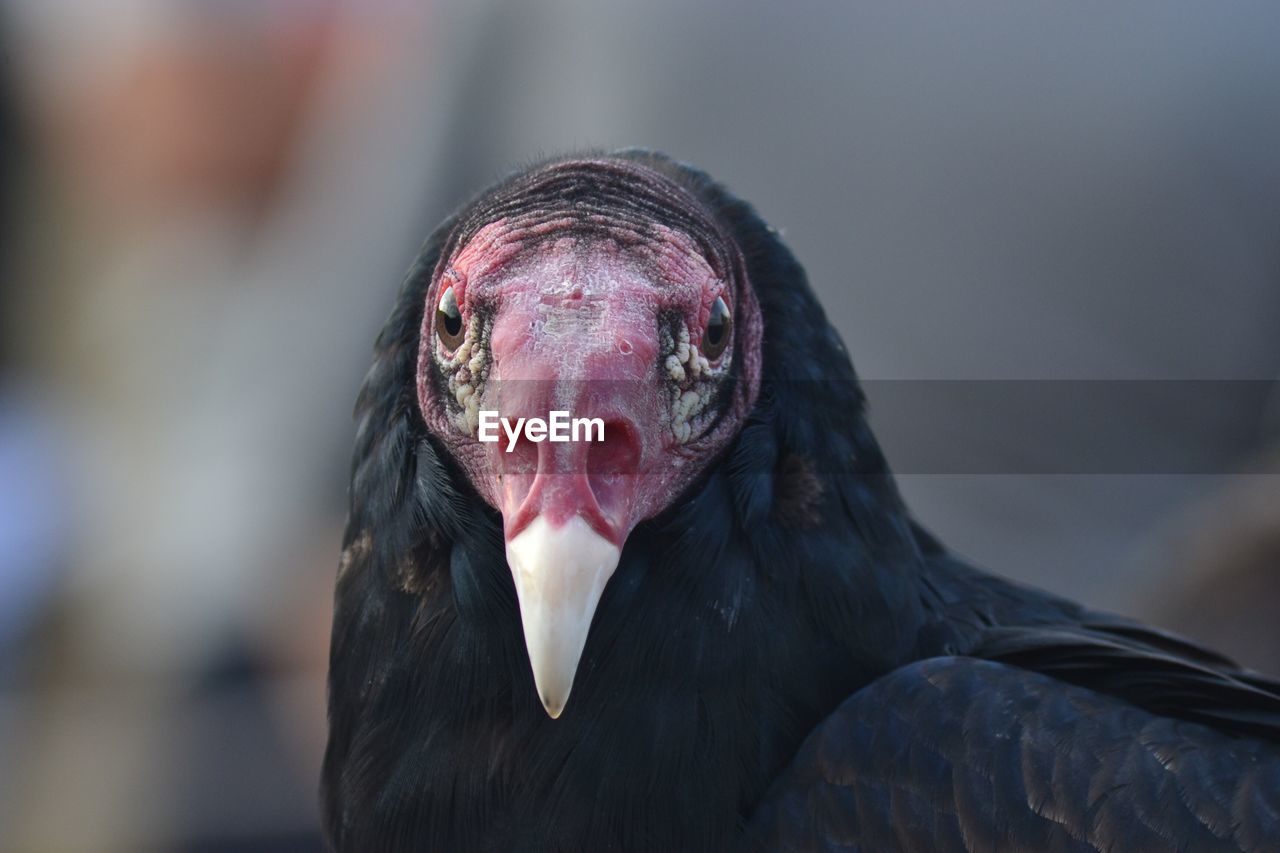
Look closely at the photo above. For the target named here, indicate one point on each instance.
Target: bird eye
(719, 324)
(449, 320)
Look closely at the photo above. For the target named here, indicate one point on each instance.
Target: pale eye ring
(449, 325)
(719, 330)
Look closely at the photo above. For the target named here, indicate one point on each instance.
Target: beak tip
(560, 574)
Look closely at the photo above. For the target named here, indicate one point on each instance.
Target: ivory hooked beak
(560, 574)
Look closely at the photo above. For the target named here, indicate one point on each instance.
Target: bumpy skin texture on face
(782, 658)
(586, 285)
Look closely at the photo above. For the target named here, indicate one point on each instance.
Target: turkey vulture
(718, 627)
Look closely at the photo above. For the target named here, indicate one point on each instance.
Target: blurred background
(207, 206)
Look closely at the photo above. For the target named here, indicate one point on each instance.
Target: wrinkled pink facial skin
(577, 327)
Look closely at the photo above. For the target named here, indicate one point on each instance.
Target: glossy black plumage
(789, 582)
(960, 754)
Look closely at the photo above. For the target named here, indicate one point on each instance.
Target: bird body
(720, 628)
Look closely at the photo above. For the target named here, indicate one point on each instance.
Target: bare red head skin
(583, 311)
(601, 289)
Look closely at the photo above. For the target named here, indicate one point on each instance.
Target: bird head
(595, 299)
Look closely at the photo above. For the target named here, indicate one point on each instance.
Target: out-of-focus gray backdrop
(208, 207)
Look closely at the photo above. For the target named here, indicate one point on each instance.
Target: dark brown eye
(449, 320)
(719, 325)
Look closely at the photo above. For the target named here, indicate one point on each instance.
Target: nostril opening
(611, 464)
(618, 453)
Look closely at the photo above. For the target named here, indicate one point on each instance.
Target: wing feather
(962, 754)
